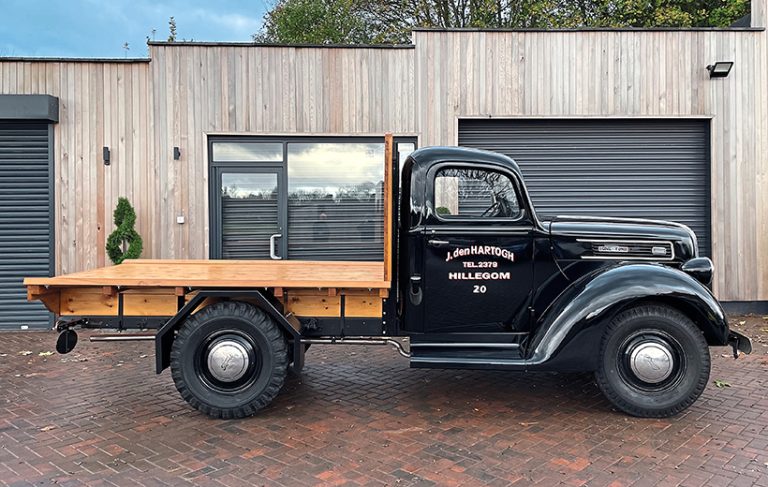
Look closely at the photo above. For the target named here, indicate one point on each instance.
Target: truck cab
(485, 283)
(469, 237)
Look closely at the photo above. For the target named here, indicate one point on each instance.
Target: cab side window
(474, 193)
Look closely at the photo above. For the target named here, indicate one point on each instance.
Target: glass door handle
(272, 252)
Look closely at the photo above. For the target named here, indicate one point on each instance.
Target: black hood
(621, 238)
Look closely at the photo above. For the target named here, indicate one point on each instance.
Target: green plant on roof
(125, 242)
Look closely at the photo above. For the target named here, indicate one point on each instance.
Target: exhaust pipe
(136, 337)
(359, 341)
(122, 337)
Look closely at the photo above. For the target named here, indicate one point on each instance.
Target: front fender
(570, 330)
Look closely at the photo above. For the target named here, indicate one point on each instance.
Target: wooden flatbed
(225, 274)
(159, 288)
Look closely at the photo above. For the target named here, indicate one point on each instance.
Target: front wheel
(654, 362)
(229, 360)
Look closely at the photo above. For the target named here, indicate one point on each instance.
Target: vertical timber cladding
(26, 220)
(641, 168)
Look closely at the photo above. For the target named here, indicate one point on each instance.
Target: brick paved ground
(360, 416)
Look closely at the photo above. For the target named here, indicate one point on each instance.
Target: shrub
(125, 242)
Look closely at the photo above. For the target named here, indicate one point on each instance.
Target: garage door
(25, 221)
(627, 168)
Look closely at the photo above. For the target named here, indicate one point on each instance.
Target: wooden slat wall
(142, 110)
(201, 90)
(100, 104)
(635, 74)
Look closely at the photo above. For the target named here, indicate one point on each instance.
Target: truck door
(477, 246)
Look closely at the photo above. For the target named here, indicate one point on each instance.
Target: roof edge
(596, 29)
(73, 60)
(261, 44)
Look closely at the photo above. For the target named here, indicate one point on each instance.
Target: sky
(99, 28)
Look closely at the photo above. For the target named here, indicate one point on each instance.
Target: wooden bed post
(388, 196)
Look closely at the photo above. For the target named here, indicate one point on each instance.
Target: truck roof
(431, 155)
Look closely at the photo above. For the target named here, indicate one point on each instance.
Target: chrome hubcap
(652, 362)
(228, 360)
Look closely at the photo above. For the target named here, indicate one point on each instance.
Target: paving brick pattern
(360, 416)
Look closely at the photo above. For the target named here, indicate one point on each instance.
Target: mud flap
(740, 343)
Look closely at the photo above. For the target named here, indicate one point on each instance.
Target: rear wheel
(229, 360)
(654, 362)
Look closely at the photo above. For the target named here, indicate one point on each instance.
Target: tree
(125, 242)
(315, 22)
(658, 13)
(172, 29)
(390, 21)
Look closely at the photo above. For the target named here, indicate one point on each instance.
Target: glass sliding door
(250, 214)
(308, 198)
(335, 206)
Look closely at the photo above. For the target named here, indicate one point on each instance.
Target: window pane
(404, 149)
(248, 214)
(247, 151)
(335, 207)
(475, 193)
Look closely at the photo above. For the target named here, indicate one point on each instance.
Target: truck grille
(630, 250)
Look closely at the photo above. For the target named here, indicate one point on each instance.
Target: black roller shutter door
(655, 169)
(25, 221)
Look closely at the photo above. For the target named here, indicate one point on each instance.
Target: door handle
(438, 243)
(272, 252)
(415, 291)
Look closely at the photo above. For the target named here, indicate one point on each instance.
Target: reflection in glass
(335, 201)
(475, 193)
(249, 214)
(404, 149)
(247, 151)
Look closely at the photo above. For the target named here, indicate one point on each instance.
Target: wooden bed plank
(226, 274)
(362, 306)
(308, 304)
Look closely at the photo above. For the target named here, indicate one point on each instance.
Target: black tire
(623, 369)
(238, 325)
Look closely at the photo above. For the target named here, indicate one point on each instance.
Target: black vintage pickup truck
(471, 275)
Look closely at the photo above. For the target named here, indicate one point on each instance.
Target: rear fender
(569, 332)
(167, 333)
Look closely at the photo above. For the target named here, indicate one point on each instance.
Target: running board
(467, 355)
(442, 362)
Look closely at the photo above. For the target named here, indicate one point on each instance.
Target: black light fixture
(105, 154)
(720, 69)
(176, 153)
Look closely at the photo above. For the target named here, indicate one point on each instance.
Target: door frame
(215, 204)
(214, 174)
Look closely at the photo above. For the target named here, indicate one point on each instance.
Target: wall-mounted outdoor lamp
(720, 69)
(105, 153)
(176, 153)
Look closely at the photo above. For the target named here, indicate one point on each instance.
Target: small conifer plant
(125, 242)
